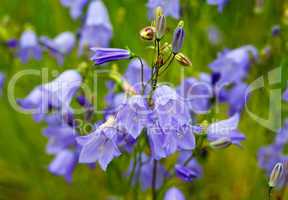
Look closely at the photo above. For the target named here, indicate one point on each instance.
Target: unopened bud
(147, 33)
(158, 12)
(221, 143)
(178, 38)
(183, 60)
(276, 175)
(160, 27)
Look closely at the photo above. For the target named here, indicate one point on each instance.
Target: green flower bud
(160, 27)
(221, 143)
(183, 60)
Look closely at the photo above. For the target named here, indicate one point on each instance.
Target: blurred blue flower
(64, 164)
(214, 35)
(197, 94)
(173, 193)
(29, 47)
(170, 7)
(60, 46)
(76, 7)
(220, 3)
(232, 65)
(226, 129)
(269, 156)
(56, 94)
(103, 55)
(97, 28)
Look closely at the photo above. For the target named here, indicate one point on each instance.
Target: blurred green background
(228, 174)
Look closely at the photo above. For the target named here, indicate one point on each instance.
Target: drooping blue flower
(174, 194)
(220, 3)
(97, 28)
(64, 164)
(236, 98)
(196, 94)
(2, 80)
(75, 6)
(143, 173)
(29, 47)
(100, 146)
(226, 129)
(232, 65)
(133, 116)
(56, 94)
(103, 55)
(170, 7)
(187, 169)
(178, 39)
(269, 156)
(168, 126)
(60, 46)
(61, 136)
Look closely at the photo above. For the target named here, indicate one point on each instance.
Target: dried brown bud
(147, 33)
(183, 60)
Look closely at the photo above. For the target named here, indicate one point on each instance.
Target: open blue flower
(173, 193)
(97, 28)
(29, 47)
(56, 94)
(59, 46)
(226, 129)
(170, 7)
(76, 7)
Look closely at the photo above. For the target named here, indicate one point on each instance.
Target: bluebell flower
(282, 135)
(76, 7)
(97, 28)
(187, 171)
(174, 194)
(60, 45)
(235, 97)
(56, 94)
(170, 7)
(168, 126)
(29, 47)
(103, 55)
(197, 94)
(214, 35)
(2, 80)
(226, 129)
(143, 173)
(232, 65)
(64, 164)
(60, 137)
(220, 3)
(269, 156)
(133, 116)
(100, 146)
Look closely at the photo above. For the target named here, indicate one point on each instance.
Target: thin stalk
(154, 179)
(142, 75)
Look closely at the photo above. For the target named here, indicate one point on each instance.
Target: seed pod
(147, 33)
(160, 27)
(183, 60)
(178, 38)
(276, 175)
(221, 143)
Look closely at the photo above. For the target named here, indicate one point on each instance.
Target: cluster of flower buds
(157, 31)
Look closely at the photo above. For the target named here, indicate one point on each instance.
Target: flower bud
(183, 60)
(276, 175)
(160, 27)
(158, 12)
(147, 33)
(178, 38)
(221, 143)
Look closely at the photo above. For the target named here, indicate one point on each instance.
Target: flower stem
(154, 177)
(142, 74)
(269, 193)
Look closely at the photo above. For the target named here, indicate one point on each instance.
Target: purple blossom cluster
(95, 31)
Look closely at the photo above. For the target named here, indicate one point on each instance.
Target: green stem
(154, 179)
